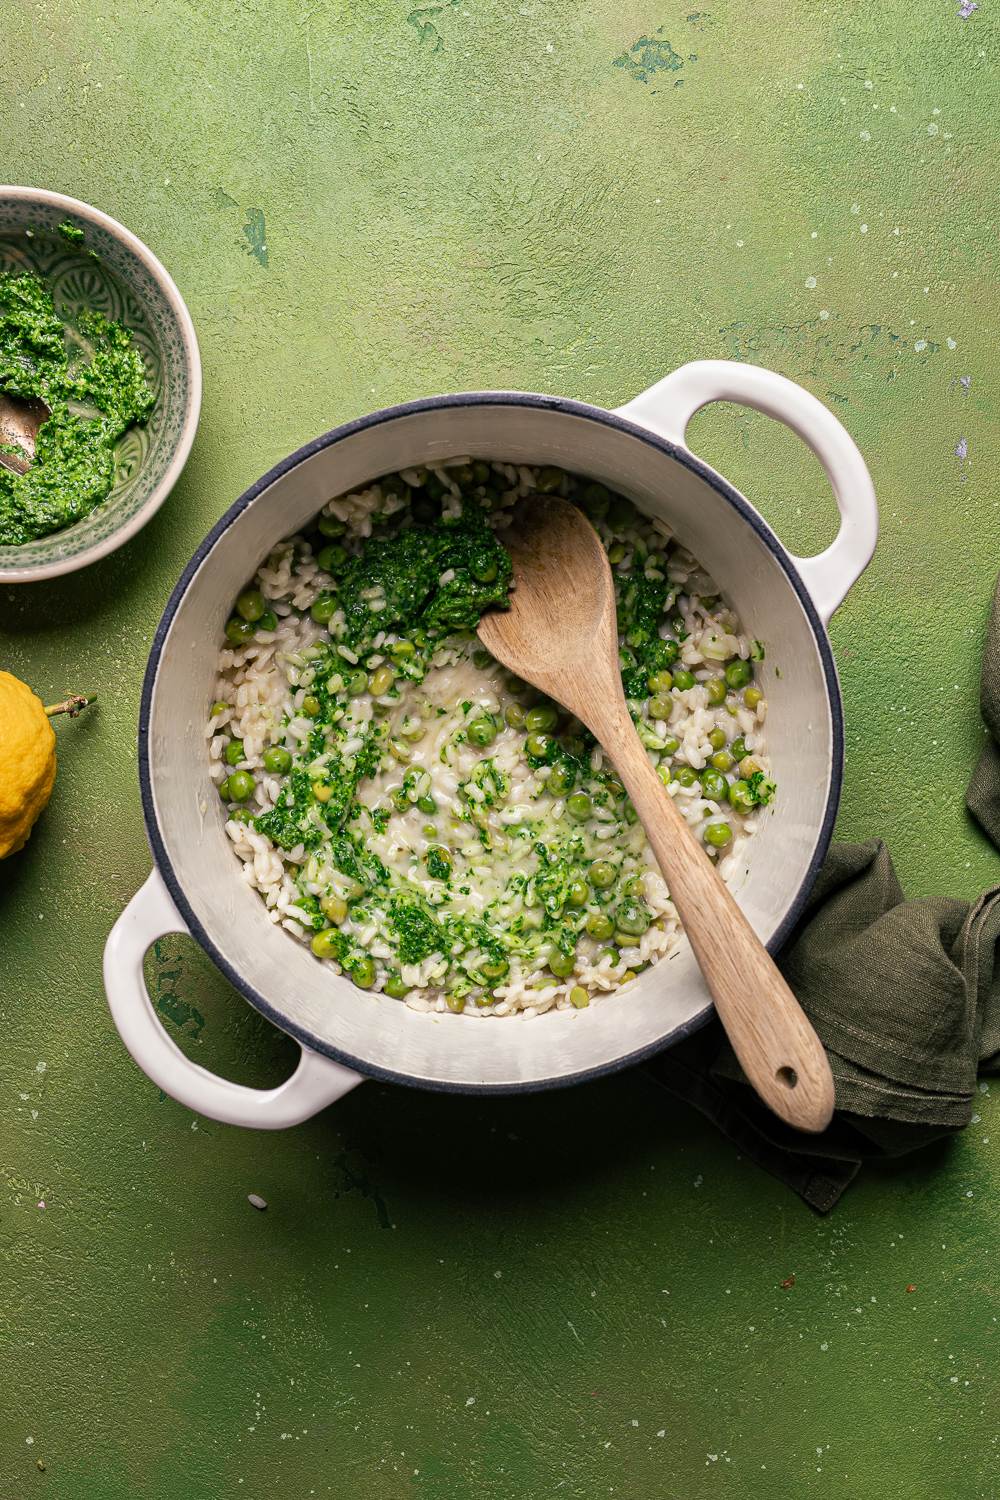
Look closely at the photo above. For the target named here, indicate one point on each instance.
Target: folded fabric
(905, 996)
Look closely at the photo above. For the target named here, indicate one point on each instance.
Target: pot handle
(316, 1082)
(667, 408)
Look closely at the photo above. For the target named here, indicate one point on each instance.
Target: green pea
(462, 473)
(494, 968)
(357, 683)
(632, 917)
(455, 1002)
(579, 806)
(579, 997)
(671, 745)
(716, 691)
(740, 796)
(402, 650)
(250, 605)
(717, 739)
(400, 800)
(362, 971)
(683, 679)
(752, 697)
(330, 526)
(578, 893)
(481, 471)
(381, 681)
(326, 944)
(722, 760)
(561, 964)
(537, 745)
(738, 673)
(686, 776)
(548, 481)
(611, 953)
(241, 786)
(395, 988)
(599, 926)
(218, 707)
(311, 706)
(484, 572)
(438, 861)
(482, 732)
(234, 752)
(323, 608)
(665, 772)
(718, 835)
(241, 815)
(561, 778)
(334, 908)
(238, 631)
(660, 682)
(615, 554)
(224, 790)
(621, 512)
(543, 718)
(277, 760)
(602, 874)
(331, 558)
(738, 748)
(660, 708)
(714, 784)
(595, 499)
(426, 804)
(267, 621)
(514, 715)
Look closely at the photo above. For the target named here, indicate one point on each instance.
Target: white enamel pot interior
(347, 1033)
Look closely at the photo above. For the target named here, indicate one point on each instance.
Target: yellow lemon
(27, 762)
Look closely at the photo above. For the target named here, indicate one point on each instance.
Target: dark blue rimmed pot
(348, 1034)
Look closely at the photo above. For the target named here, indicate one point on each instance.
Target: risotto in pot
(431, 825)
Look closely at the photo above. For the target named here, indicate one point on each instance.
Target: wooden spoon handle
(780, 1052)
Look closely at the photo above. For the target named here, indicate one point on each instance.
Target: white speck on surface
(662, 1432)
(40, 1067)
(29, 1441)
(855, 208)
(866, 135)
(951, 343)
(824, 314)
(471, 1401)
(864, 229)
(810, 282)
(920, 345)
(257, 1201)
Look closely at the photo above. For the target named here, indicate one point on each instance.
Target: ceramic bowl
(347, 1033)
(124, 280)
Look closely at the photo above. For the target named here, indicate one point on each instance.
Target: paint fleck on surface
(423, 25)
(966, 8)
(648, 56)
(962, 448)
(255, 234)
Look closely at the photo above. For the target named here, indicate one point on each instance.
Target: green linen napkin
(905, 996)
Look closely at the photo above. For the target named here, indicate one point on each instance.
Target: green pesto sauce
(409, 567)
(95, 387)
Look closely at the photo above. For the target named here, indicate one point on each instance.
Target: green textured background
(575, 1294)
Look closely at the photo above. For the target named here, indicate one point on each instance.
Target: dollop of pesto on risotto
(433, 826)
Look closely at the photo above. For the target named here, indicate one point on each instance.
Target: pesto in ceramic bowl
(105, 282)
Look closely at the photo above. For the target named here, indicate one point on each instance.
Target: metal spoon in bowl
(561, 634)
(20, 420)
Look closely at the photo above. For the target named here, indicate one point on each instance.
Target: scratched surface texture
(578, 1294)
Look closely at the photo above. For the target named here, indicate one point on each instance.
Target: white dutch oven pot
(345, 1033)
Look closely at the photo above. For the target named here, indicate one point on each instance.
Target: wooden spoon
(561, 634)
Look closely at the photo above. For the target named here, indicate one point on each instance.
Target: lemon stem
(73, 705)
